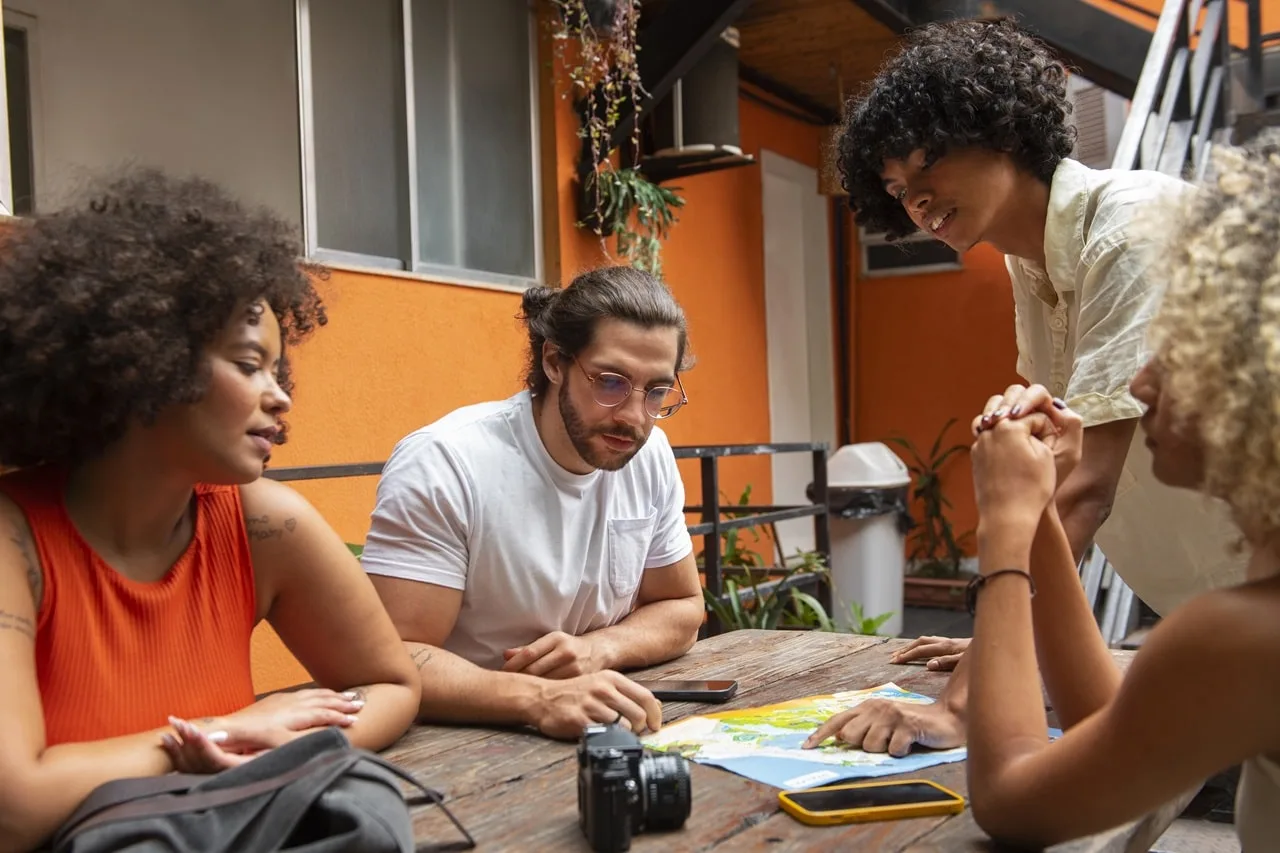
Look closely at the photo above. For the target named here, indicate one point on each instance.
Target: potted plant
(637, 212)
(744, 604)
(936, 574)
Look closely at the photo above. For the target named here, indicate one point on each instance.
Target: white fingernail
(351, 694)
(350, 719)
(359, 703)
(216, 737)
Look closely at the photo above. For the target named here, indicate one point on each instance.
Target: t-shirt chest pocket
(629, 540)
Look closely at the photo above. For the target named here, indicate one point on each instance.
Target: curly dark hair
(107, 308)
(960, 84)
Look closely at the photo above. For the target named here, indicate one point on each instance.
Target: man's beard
(580, 435)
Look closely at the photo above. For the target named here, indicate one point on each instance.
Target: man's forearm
(1082, 511)
(454, 690)
(651, 634)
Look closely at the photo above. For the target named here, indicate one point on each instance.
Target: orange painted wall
(400, 352)
(932, 347)
(397, 353)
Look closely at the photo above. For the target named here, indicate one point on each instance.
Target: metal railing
(712, 523)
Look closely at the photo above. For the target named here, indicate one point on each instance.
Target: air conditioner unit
(914, 254)
(697, 121)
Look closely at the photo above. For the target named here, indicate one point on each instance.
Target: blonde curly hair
(1217, 335)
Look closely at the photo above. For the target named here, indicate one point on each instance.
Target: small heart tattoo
(290, 524)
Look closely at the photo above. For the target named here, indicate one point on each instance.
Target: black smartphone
(691, 691)
(867, 801)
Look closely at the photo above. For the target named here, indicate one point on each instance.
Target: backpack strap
(428, 796)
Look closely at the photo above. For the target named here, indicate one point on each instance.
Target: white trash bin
(867, 494)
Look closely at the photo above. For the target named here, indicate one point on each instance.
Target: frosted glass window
(358, 114)
(472, 173)
(474, 135)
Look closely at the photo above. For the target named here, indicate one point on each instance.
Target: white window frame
(866, 239)
(6, 170)
(29, 24)
(411, 267)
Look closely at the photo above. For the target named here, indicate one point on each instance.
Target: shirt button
(1058, 389)
(1058, 323)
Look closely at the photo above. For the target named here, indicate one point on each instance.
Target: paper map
(764, 743)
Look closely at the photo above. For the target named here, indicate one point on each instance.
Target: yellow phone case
(949, 802)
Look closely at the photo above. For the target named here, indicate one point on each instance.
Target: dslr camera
(623, 791)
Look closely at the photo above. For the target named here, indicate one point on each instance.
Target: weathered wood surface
(514, 790)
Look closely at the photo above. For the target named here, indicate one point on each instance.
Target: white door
(797, 284)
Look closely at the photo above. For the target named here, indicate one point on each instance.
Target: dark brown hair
(568, 316)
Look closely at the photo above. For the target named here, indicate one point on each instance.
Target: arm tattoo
(14, 622)
(260, 528)
(421, 658)
(35, 578)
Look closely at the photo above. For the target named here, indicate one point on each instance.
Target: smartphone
(858, 802)
(691, 691)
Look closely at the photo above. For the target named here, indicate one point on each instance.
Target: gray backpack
(316, 794)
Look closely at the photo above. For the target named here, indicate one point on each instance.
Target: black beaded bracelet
(971, 591)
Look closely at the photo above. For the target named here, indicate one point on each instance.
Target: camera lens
(665, 791)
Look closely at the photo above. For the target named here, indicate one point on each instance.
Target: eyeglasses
(612, 390)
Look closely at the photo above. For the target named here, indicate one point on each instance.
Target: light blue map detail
(764, 743)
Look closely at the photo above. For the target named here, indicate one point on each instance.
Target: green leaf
(804, 600)
(735, 604)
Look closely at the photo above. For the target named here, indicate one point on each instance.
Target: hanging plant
(597, 44)
(604, 71)
(627, 198)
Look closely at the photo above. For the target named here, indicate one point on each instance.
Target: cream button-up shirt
(1081, 323)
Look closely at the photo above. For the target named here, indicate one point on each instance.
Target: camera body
(623, 791)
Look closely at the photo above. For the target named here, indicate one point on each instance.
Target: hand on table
(566, 706)
(942, 653)
(883, 725)
(218, 743)
(555, 655)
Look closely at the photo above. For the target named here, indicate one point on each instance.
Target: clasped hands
(1026, 442)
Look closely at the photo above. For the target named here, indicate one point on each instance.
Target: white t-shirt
(475, 502)
(1081, 323)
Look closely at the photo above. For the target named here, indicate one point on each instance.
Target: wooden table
(518, 791)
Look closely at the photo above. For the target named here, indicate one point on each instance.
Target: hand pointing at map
(882, 725)
(768, 743)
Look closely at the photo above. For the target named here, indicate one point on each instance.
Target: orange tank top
(115, 656)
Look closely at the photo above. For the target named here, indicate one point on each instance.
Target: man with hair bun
(529, 549)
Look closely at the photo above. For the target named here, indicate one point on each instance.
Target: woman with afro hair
(964, 134)
(144, 338)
